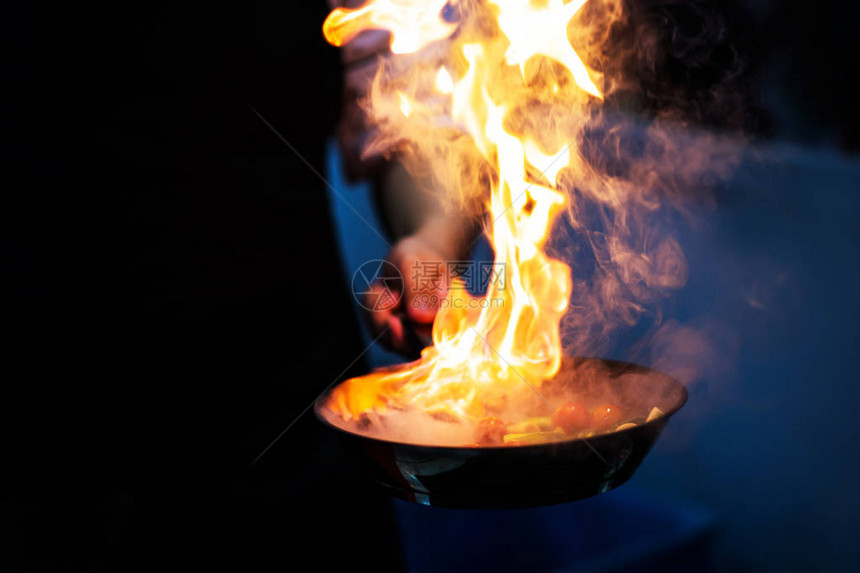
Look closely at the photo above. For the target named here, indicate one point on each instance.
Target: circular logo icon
(377, 285)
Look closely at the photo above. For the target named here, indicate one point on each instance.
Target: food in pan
(571, 420)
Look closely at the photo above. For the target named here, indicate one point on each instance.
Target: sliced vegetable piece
(654, 414)
(531, 425)
(533, 438)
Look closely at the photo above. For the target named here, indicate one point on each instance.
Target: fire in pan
(623, 408)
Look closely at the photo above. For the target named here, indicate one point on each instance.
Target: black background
(174, 296)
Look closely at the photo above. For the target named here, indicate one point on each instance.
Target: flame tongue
(412, 24)
(482, 354)
(534, 29)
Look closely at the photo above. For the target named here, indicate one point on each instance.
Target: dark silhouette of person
(175, 295)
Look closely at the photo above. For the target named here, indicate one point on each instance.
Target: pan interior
(634, 389)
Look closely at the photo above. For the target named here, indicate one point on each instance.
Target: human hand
(408, 323)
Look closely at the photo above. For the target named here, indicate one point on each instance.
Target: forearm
(411, 209)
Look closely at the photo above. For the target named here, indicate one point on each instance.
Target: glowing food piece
(572, 418)
(654, 414)
(605, 416)
(490, 432)
(534, 438)
(626, 426)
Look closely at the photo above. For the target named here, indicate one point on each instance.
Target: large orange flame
(482, 353)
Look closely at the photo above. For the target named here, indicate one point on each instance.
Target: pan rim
(679, 403)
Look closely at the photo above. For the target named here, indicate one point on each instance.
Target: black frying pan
(528, 475)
